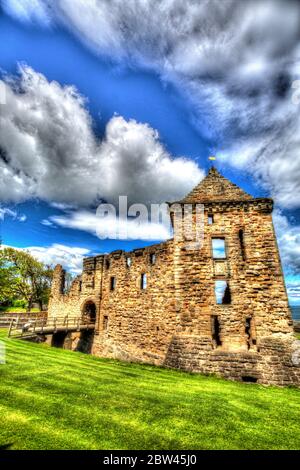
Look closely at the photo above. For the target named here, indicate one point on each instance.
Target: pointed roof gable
(215, 187)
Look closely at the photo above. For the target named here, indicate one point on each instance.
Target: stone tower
(216, 307)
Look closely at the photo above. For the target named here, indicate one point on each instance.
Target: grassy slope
(56, 399)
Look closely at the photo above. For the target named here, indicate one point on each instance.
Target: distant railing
(22, 327)
(6, 318)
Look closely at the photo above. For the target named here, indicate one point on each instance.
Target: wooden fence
(30, 327)
(6, 318)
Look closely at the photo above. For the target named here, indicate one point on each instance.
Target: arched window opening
(143, 281)
(89, 312)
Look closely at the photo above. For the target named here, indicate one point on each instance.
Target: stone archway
(89, 315)
(89, 312)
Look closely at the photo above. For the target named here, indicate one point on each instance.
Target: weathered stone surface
(175, 321)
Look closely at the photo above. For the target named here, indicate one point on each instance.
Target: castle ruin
(221, 309)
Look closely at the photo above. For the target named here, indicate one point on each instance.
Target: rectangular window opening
(215, 331)
(250, 332)
(112, 283)
(242, 244)
(105, 322)
(210, 219)
(144, 281)
(153, 258)
(222, 293)
(218, 248)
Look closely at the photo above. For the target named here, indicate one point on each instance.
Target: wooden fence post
(10, 326)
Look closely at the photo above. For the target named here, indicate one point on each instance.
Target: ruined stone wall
(170, 322)
(138, 323)
(132, 322)
(85, 288)
(272, 365)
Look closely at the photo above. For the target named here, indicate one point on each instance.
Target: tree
(6, 283)
(24, 277)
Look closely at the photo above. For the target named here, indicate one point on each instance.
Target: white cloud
(49, 150)
(112, 227)
(28, 10)
(47, 223)
(288, 236)
(70, 257)
(293, 289)
(6, 212)
(234, 61)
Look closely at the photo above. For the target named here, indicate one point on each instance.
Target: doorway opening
(89, 312)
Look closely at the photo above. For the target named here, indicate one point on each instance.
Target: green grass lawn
(56, 399)
(17, 310)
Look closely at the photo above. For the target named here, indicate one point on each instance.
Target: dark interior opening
(249, 332)
(85, 342)
(112, 283)
(242, 244)
(58, 339)
(216, 330)
(89, 312)
(227, 296)
(249, 379)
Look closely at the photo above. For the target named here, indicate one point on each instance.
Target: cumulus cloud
(234, 61)
(49, 150)
(70, 257)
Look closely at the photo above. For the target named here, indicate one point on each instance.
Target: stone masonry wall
(175, 321)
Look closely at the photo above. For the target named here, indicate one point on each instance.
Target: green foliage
(19, 303)
(23, 277)
(56, 399)
(6, 282)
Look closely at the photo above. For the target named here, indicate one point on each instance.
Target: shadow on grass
(6, 446)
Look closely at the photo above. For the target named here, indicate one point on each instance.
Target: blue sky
(151, 84)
